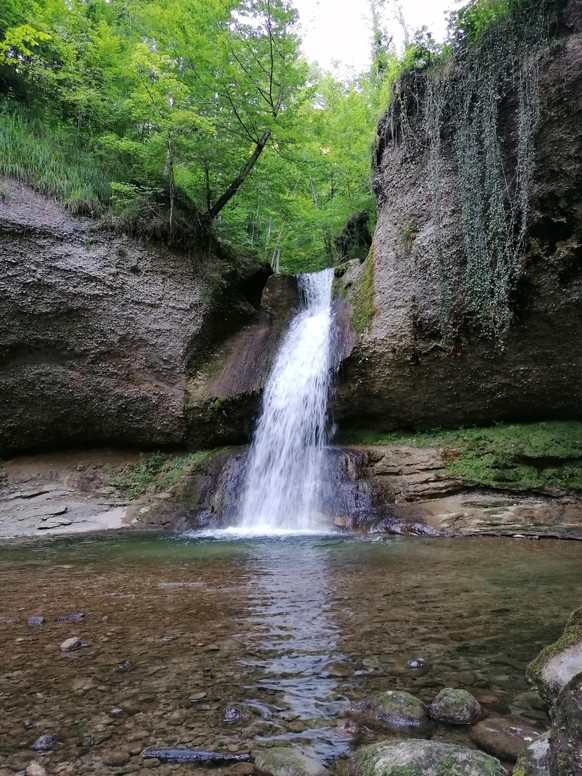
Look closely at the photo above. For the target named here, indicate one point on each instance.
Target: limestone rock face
(97, 330)
(399, 374)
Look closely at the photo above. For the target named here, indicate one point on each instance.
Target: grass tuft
(157, 472)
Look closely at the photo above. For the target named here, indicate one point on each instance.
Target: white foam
(284, 481)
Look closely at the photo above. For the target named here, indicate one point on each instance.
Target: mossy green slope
(532, 456)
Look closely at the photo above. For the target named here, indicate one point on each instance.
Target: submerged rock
(559, 662)
(284, 761)
(44, 743)
(457, 707)
(72, 644)
(422, 758)
(71, 617)
(395, 709)
(504, 738)
(177, 755)
(35, 620)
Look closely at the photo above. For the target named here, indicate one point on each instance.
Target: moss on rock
(533, 760)
(559, 662)
(422, 758)
(285, 761)
(395, 709)
(457, 707)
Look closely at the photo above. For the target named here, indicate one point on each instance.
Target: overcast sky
(340, 29)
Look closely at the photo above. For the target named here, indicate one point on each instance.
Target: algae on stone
(457, 707)
(559, 662)
(285, 761)
(422, 758)
(395, 709)
(533, 760)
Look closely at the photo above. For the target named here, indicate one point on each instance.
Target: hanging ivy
(494, 55)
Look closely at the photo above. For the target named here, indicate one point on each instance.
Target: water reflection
(182, 634)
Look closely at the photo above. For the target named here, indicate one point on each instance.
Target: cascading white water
(284, 480)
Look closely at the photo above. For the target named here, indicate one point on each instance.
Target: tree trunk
(240, 178)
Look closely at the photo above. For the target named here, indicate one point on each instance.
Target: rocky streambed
(116, 644)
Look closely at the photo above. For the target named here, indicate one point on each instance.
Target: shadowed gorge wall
(97, 330)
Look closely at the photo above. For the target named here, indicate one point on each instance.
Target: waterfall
(283, 489)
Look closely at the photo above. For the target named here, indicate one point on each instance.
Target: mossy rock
(422, 758)
(395, 709)
(285, 761)
(559, 662)
(533, 760)
(565, 756)
(457, 707)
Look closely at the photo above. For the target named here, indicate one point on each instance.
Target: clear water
(289, 631)
(283, 489)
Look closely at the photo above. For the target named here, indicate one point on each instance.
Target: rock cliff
(401, 372)
(100, 332)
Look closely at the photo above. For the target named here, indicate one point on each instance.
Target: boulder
(534, 759)
(284, 761)
(457, 707)
(559, 662)
(422, 758)
(395, 709)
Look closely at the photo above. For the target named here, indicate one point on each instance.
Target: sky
(340, 29)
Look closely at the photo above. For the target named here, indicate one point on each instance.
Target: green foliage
(157, 472)
(535, 456)
(53, 157)
(154, 114)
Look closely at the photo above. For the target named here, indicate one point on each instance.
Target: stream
(232, 644)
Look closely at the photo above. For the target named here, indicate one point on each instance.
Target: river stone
(559, 662)
(284, 761)
(115, 757)
(565, 758)
(44, 743)
(422, 758)
(35, 769)
(534, 759)
(395, 709)
(70, 645)
(503, 737)
(457, 707)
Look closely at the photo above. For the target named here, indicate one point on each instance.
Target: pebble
(71, 617)
(35, 769)
(242, 769)
(197, 697)
(70, 645)
(44, 743)
(115, 757)
(35, 620)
